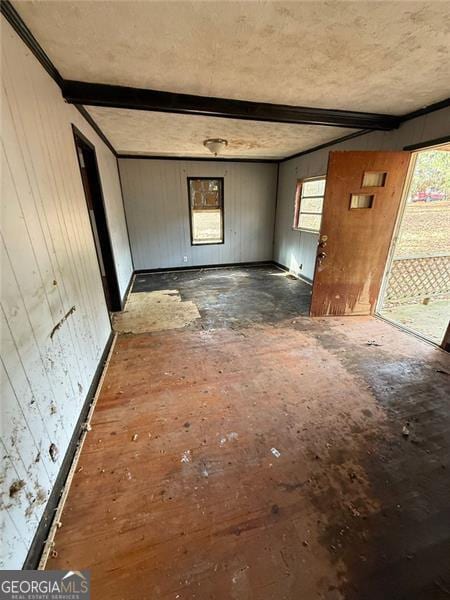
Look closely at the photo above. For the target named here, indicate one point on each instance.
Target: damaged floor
(256, 453)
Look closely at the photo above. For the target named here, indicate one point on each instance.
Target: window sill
(306, 230)
(207, 243)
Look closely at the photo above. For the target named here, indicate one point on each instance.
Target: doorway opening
(90, 177)
(416, 290)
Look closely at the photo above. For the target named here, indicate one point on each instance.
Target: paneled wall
(156, 202)
(49, 269)
(297, 249)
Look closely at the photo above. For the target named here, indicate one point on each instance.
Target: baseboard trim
(261, 263)
(280, 266)
(38, 543)
(284, 268)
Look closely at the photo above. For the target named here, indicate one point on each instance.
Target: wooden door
(362, 198)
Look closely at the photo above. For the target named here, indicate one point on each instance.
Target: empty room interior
(225, 292)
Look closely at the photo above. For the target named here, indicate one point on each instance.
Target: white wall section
(156, 202)
(49, 266)
(295, 249)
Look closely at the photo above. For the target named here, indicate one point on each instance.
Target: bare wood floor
(266, 462)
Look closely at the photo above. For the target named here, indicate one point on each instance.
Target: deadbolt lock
(323, 241)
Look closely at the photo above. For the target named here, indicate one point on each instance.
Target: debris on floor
(229, 438)
(186, 457)
(275, 452)
(373, 343)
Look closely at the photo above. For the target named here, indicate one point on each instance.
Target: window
(206, 210)
(309, 203)
(374, 179)
(361, 200)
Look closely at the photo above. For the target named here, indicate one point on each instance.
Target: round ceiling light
(215, 145)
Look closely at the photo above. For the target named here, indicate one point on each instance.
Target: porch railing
(414, 278)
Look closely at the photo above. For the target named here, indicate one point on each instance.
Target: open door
(362, 198)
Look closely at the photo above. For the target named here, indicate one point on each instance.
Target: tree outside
(432, 172)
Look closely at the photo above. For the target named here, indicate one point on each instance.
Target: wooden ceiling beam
(115, 96)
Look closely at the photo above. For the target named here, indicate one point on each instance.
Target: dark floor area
(235, 296)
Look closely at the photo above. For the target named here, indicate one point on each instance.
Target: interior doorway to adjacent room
(90, 176)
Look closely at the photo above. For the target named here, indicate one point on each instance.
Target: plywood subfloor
(267, 461)
(154, 311)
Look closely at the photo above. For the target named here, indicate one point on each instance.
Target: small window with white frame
(309, 196)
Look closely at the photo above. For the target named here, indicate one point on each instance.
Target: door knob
(321, 256)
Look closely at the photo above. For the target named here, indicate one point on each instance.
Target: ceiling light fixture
(215, 145)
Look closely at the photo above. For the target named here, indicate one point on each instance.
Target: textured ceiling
(142, 132)
(376, 56)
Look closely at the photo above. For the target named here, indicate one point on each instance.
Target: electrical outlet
(184, 258)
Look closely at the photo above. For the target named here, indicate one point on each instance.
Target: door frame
(395, 235)
(414, 149)
(114, 302)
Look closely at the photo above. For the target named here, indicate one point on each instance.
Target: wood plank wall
(298, 248)
(49, 265)
(156, 202)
